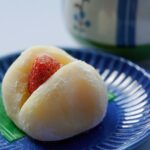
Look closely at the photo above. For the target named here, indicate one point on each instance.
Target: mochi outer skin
(71, 101)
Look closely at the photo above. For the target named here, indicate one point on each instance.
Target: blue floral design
(80, 16)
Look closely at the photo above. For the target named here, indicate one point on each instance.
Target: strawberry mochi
(52, 96)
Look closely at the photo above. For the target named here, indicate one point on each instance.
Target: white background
(24, 23)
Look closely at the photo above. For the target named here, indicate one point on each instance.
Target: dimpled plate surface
(127, 122)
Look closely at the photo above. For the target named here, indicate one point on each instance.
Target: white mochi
(70, 102)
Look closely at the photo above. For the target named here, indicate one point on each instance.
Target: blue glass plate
(127, 122)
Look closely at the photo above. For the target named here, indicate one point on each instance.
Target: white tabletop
(24, 23)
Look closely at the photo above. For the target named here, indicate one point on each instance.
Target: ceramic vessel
(119, 26)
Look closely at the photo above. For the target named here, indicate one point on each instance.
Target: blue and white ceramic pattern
(109, 22)
(127, 122)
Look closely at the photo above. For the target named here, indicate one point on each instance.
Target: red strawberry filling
(43, 68)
